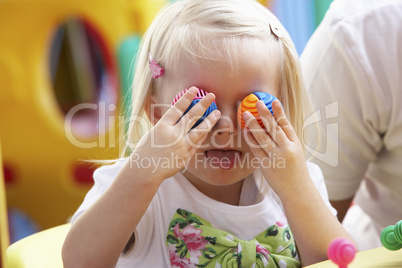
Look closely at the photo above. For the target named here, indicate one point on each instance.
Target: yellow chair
(40, 250)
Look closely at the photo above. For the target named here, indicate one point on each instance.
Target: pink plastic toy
(341, 251)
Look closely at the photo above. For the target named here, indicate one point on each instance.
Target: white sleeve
(342, 64)
(103, 178)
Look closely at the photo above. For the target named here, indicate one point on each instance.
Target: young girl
(213, 195)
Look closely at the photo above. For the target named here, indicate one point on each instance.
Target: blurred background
(65, 74)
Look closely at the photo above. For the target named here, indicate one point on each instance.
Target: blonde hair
(206, 29)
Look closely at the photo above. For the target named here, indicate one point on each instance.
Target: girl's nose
(227, 124)
(224, 133)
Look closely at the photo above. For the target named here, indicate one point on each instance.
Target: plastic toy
(248, 104)
(391, 236)
(201, 93)
(341, 251)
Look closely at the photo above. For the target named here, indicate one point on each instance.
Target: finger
(253, 144)
(282, 121)
(195, 146)
(196, 112)
(260, 135)
(201, 131)
(270, 123)
(177, 110)
(267, 119)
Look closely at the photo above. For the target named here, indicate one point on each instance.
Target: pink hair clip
(156, 69)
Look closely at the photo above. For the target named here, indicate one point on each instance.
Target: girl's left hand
(312, 223)
(278, 149)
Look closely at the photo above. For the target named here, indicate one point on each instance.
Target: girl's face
(225, 158)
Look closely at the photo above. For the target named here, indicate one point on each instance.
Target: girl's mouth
(224, 159)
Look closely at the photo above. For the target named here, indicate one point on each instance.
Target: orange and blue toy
(249, 104)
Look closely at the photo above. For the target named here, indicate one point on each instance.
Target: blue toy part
(210, 109)
(266, 98)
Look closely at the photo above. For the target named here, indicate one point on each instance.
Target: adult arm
(339, 66)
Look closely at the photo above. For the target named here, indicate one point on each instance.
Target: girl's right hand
(171, 143)
(160, 154)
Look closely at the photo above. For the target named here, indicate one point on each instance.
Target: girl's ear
(153, 110)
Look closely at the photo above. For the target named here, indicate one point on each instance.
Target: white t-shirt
(252, 217)
(353, 72)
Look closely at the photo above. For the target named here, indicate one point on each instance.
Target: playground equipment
(4, 236)
(42, 112)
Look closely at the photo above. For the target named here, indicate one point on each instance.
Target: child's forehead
(250, 56)
(227, 48)
(225, 54)
(253, 68)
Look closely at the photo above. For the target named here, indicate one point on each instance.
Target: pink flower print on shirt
(192, 237)
(178, 262)
(263, 251)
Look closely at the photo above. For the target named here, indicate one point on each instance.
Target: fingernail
(194, 89)
(212, 94)
(260, 103)
(247, 114)
(217, 113)
(277, 101)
